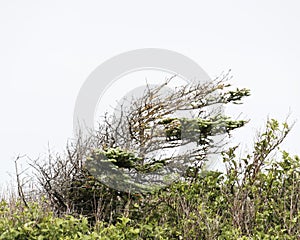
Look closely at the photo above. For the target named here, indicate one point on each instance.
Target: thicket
(257, 197)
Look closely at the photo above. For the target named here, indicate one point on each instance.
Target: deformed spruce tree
(130, 144)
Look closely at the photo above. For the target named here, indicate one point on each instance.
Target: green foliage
(117, 156)
(33, 222)
(257, 197)
(236, 96)
(177, 128)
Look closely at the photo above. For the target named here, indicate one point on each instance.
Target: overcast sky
(49, 48)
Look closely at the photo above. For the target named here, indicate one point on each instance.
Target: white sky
(48, 49)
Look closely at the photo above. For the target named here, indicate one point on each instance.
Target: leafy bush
(33, 222)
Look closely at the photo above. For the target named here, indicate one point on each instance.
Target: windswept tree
(162, 136)
(165, 132)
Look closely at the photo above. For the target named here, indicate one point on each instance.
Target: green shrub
(33, 222)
